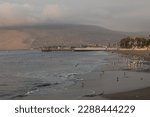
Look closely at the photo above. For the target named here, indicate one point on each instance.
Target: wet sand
(139, 94)
(114, 85)
(119, 82)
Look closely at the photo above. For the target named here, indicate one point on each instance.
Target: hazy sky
(124, 15)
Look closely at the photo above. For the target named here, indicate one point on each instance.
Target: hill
(50, 35)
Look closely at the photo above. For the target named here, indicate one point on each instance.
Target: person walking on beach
(82, 84)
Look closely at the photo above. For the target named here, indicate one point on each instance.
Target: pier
(93, 49)
(82, 49)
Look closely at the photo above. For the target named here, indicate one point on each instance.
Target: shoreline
(142, 53)
(106, 82)
(137, 94)
(112, 80)
(117, 82)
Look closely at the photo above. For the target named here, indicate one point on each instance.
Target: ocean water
(24, 72)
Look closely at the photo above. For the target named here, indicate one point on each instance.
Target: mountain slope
(39, 36)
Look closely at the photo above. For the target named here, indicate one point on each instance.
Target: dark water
(24, 72)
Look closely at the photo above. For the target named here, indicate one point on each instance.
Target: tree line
(138, 42)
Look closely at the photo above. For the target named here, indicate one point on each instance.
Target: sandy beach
(118, 81)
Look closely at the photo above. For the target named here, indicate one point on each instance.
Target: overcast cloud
(123, 15)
